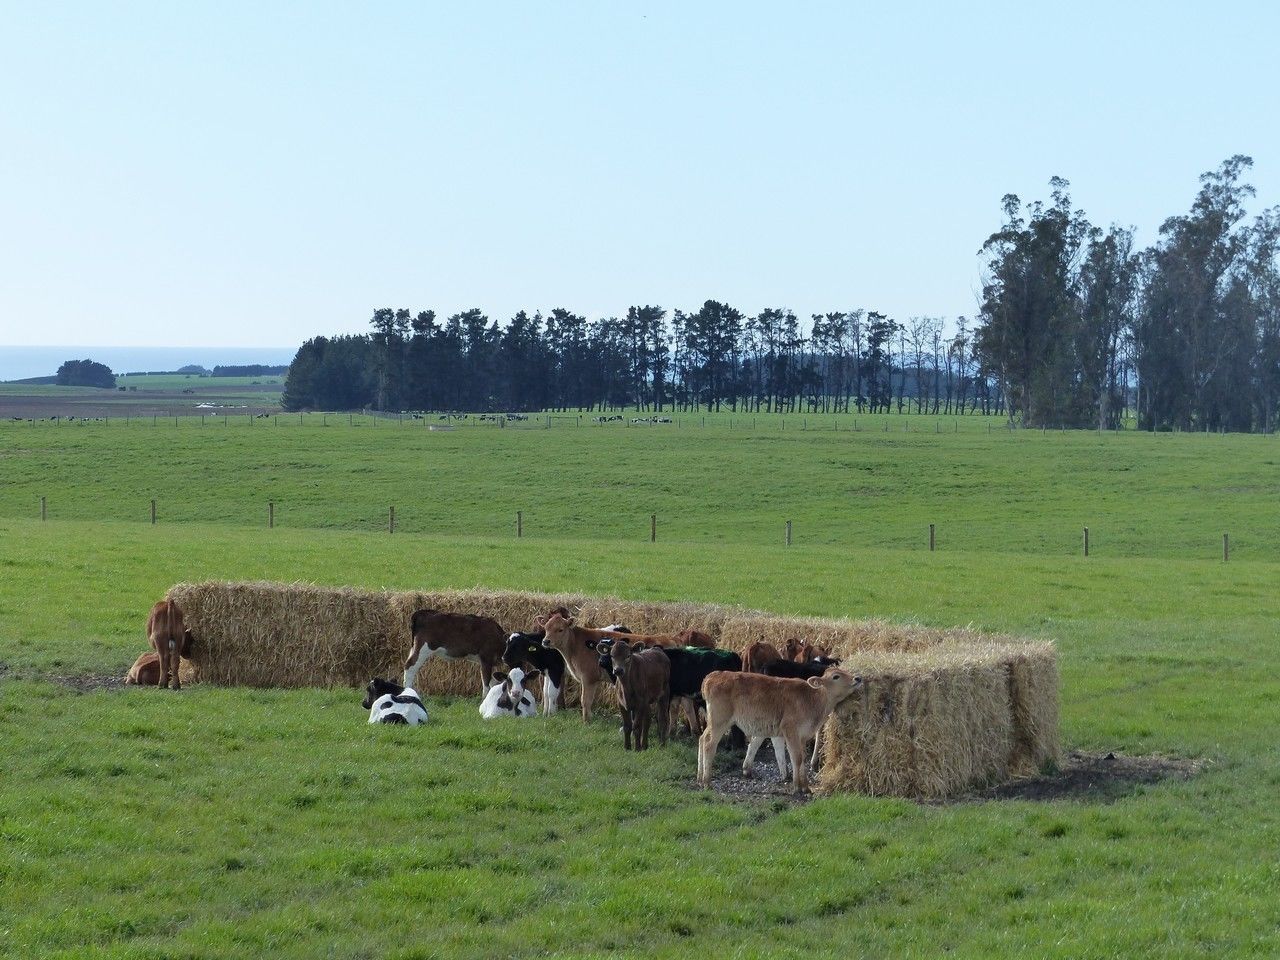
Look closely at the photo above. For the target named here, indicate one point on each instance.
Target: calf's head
(520, 646)
(838, 684)
(558, 632)
(380, 688)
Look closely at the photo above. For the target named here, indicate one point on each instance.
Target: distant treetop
(85, 373)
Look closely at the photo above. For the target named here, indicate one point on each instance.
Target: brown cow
(454, 636)
(145, 670)
(759, 655)
(170, 639)
(792, 710)
(644, 681)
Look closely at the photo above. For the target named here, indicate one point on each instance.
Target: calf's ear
(540, 621)
(815, 682)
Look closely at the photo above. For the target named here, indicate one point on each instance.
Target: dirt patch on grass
(763, 784)
(88, 682)
(1096, 777)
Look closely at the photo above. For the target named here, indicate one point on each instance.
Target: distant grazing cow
(770, 707)
(643, 678)
(169, 638)
(389, 702)
(454, 636)
(758, 655)
(509, 697)
(145, 671)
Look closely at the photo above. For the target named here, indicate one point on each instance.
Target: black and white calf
(389, 702)
(509, 697)
(525, 651)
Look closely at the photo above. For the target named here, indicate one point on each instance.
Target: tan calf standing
(770, 707)
(168, 636)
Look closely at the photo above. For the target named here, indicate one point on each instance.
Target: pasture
(233, 822)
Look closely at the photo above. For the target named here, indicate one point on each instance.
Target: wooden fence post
(788, 533)
(519, 523)
(391, 520)
(931, 537)
(42, 510)
(271, 515)
(653, 528)
(153, 513)
(1226, 548)
(1086, 541)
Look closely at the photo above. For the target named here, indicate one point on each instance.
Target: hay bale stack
(282, 635)
(653, 618)
(929, 723)
(844, 637)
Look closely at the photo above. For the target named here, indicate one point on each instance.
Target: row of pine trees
(1076, 328)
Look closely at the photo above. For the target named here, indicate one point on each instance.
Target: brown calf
(454, 636)
(145, 670)
(169, 638)
(792, 710)
(758, 656)
(644, 681)
(577, 646)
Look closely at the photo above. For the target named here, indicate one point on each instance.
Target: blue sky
(253, 174)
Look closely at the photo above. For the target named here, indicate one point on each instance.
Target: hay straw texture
(942, 711)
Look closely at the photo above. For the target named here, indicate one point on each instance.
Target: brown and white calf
(454, 636)
(169, 638)
(770, 707)
(643, 676)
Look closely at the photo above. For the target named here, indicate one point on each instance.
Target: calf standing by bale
(770, 707)
(644, 680)
(170, 639)
(454, 636)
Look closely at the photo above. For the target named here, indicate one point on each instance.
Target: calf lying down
(509, 697)
(389, 702)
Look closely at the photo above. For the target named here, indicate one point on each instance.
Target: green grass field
(224, 822)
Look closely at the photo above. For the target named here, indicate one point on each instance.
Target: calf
(145, 670)
(758, 655)
(455, 636)
(389, 702)
(770, 707)
(689, 667)
(644, 680)
(800, 671)
(578, 647)
(509, 697)
(525, 650)
(695, 638)
(169, 638)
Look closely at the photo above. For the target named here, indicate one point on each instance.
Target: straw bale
(844, 637)
(653, 617)
(281, 635)
(927, 724)
(1033, 694)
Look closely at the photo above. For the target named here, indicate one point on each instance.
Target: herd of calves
(783, 696)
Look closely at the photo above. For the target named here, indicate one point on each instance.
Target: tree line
(712, 358)
(1075, 328)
